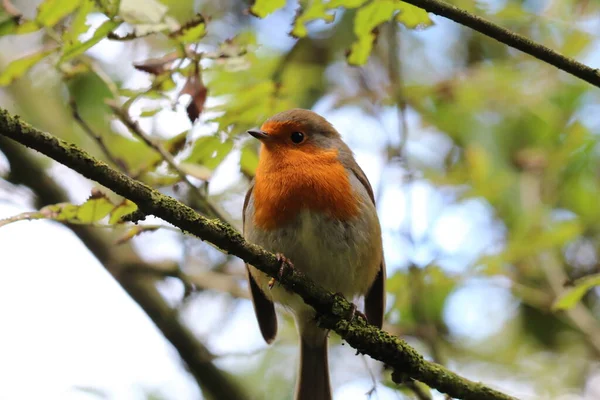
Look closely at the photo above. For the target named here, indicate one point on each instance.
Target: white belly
(343, 257)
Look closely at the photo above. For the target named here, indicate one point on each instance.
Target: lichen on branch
(333, 310)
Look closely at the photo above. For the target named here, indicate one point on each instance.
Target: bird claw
(354, 311)
(285, 264)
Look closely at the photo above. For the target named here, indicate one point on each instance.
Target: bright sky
(68, 324)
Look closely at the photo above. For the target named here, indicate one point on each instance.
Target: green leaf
(195, 170)
(8, 24)
(209, 151)
(176, 143)
(77, 48)
(52, 11)
(142, 11)
(109, 7)
(97, 207)
(147, 17)
(573, 295)
(191, 32)
(17, 68)
(92, 210)
(151, 112)
(262, 8)
(369, 17)
(79, 24)
(315, 10)
(346, 3)
(413, 17)
(366, 20)
(248, 160)
(126, 207)
(28, 27)
(136, 230)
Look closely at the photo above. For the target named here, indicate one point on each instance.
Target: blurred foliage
(95, 209)
(474, 121)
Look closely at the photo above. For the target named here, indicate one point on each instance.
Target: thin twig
(511, 39)
(97, 138)
(135, 128)
(418, 390)
(395, 76)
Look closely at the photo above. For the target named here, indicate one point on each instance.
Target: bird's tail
(313, 377)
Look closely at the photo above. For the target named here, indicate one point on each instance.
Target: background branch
(333, 310)
(26, 170)
(511, 39)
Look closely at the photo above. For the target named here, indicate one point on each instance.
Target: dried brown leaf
(157, 66)
(194, 86)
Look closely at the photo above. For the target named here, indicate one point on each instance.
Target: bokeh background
(484, 161)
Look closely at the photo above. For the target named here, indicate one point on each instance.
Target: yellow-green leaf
(126, 207)
(209, 151)
(142, 11)
(151, 112)
(572, 295)
(17, 68)
(28, 27)
(52, 11)
(97, 207)
(366, 20)
(77, 48)
(248, 160)
(315, 10)
(109, 7)
(413, 17)
(369, 17)
(346, 3)
(191, 32)
(94, 210)
(79, 24)
(176, 143)
(262, 8)
(8, 24)
(196, 170)
(136, 230)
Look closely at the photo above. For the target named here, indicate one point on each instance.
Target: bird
(312, 205)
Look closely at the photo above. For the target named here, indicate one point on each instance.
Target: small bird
(312, 204)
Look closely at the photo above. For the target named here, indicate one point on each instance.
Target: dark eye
(297, 137)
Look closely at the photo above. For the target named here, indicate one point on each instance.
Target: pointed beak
(257, 133)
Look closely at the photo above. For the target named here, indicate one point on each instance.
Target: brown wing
(263, 307)
(375, 297)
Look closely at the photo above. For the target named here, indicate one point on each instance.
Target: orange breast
(293, 180)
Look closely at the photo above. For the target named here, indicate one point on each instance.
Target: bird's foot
(285, 264)
(354, 311)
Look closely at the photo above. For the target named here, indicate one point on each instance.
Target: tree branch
(25, 169)
(511, 39)
(217, 384)
(333, 310)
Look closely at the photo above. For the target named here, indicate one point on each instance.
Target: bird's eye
(297, 137)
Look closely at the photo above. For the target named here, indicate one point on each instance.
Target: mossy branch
(334, 310)
(510, 38)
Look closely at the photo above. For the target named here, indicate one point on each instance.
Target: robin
(312, 204)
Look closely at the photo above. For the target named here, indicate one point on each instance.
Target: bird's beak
(257, 133)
